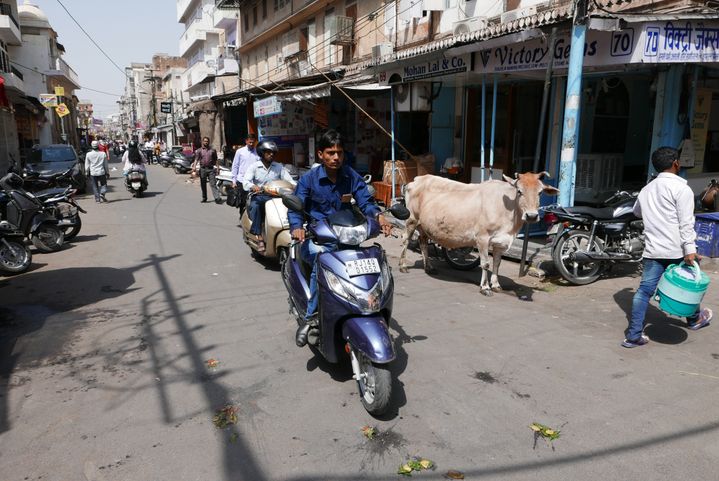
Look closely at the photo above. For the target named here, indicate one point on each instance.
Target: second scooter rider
(261, 172)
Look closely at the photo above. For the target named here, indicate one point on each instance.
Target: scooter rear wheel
(375, 385)
(48, 238)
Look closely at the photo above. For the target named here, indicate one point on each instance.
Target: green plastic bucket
(681, 289)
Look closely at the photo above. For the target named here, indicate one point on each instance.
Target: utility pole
(570, 134)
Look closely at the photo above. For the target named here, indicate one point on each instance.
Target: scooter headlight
(367, 301)
(352, 236)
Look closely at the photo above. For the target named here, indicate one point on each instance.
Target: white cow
(455, 215)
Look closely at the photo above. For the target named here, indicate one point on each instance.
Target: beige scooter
(276, 229)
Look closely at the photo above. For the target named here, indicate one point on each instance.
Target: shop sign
(62, 110)
(267, 106)
(652, 42)
(60, 91)
(48, 100)
(166, 107)
(428, 69)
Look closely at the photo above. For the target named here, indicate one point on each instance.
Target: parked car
(46, 160)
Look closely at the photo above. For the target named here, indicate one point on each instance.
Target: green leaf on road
(225, 417)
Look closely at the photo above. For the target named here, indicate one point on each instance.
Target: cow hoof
(486, 292)
(403, 269)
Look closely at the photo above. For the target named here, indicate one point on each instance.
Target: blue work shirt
(321, 197)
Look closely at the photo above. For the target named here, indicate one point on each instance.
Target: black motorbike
(28, 216)
(165, 159)
(136, 182)
(15, 257)
(60, 203)
(588, 240)
(181, 163)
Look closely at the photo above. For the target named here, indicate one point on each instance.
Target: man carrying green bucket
(666, 206)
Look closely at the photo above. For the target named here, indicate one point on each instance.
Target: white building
(44, 69)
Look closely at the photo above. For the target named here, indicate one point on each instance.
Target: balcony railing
(6, 10)
(59, 65)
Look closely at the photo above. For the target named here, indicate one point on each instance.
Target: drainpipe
(494, 125)
(391, 110)
(570, 135)
(481, 147)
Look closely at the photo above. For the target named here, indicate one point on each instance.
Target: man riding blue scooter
(324, 191)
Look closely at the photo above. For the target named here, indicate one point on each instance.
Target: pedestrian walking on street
(206, 163)
(244, 158)
(97, 168)
(667, 207)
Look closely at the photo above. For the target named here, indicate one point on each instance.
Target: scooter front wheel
(374, 382)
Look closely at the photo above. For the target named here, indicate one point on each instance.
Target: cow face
(529, 188)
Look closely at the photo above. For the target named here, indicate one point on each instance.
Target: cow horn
(544, 173)
(516, 175)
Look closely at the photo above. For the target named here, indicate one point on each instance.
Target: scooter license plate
(553, 230)
(362, 267)
(135, 185)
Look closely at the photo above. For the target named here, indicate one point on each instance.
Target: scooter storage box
(681, 289)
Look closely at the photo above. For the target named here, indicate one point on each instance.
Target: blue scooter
(355, 289)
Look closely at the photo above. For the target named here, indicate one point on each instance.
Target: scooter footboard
(370, 336)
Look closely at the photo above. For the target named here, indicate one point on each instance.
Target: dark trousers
(256, 212)
(208, 173)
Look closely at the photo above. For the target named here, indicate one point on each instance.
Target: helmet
(266, 146)
(94, 144)
(132, 144)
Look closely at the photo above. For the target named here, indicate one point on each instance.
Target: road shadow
(37, 329)
(659, 326)
(86, 238)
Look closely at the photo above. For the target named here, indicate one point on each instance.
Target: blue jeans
(653, 270)
(309, 252)
(99, 185)
(256, 212)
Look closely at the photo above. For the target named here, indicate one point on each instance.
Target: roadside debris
(369, 432)
(212, 363)
(542, 431)
(234, 437)
(415, 464)
(224, 417)
(452, 474)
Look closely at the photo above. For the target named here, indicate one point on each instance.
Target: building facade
(12, 90)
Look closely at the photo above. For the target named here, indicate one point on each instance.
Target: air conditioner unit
(342, 30)
(471, 24)
(598, 176)
(304, 67)
(513, 15)
(381, 50)
(291, 44)
(435, 5)
(413, 97)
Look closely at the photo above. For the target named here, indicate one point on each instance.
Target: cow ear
(549, 190)
(510, 180)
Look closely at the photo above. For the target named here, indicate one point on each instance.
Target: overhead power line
(81, 87)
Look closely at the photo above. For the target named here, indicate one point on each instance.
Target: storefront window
(611, 116)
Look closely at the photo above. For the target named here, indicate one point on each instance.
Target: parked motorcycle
(355, 298)
(223, 180)
(165, 159)
(15, 257)
(60, 203)
(34, 181)
(181, 163)
(588, 240)
(136, 182)
(28, 216)
(276, 229)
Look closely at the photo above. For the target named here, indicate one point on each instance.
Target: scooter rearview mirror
(399, 211)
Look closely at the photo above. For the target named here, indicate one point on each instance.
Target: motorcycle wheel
(48, 238)
(14, 256)
(575, 273)
(67, 211)
(223, 189)
(282, 256)
(462, 259)
(375, 385)
(178, 171)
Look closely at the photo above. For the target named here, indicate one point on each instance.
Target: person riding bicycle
(260, 173)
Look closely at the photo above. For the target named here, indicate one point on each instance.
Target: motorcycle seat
(599, 213)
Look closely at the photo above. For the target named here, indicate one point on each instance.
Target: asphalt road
(104, 349)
